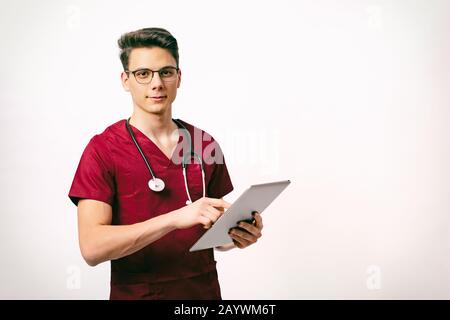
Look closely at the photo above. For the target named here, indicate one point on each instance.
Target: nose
(156, 82)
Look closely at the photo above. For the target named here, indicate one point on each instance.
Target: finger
(258, 219)
(214, 213)
(243, 234)
(206, 222)
(240, 242)
(217, 202)
(210, 215)
(250, 228)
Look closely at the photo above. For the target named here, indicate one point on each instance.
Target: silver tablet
(256, 198)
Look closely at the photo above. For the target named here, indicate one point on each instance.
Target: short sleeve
(220, 182)
(94, 177)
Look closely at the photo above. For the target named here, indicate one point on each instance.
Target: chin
(156, 109)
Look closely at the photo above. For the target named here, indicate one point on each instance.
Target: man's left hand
(245, 233)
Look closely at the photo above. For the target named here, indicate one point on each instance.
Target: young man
(136, 205)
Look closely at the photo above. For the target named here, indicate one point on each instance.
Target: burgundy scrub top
(112, 170)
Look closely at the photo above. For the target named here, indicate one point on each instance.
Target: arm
(100, 241)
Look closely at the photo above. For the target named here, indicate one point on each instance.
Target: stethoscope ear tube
(184, 165)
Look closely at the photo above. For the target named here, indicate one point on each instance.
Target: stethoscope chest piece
(156, 184)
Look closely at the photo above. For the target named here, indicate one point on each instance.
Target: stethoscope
(156, 184)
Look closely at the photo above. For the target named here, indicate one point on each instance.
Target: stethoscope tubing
(183, 163)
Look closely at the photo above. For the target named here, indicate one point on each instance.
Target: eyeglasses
(145, 76)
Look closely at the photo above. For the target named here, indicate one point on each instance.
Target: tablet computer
(256, 198)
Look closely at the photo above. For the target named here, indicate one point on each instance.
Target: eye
(142, 74)
(169, 72)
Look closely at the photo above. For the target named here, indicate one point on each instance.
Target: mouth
(157, 98)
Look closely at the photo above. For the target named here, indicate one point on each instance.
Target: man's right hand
(204, 211)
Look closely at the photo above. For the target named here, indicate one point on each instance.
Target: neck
(153, 125)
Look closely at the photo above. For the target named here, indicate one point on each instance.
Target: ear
(179, 78)
(125, 79)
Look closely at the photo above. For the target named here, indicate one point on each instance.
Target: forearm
(110, 242)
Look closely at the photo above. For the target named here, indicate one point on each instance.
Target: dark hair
(147, 37)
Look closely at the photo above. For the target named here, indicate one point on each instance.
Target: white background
(348, 99)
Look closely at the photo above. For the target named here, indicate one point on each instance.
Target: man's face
(143, 95)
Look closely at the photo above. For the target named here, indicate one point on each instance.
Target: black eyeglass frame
(152, 72)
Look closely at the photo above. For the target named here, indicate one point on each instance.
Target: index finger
(218, 202)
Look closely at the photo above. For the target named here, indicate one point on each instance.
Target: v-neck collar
(144, 140)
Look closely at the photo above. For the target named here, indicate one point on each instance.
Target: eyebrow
(143, 68)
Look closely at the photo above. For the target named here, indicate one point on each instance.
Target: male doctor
(147, 234)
